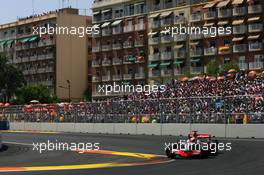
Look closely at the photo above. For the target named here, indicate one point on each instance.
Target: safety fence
(230, 109)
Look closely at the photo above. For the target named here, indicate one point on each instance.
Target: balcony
(155, 24)
(253, 9)
(117, 30)
(255, 46)
(117, 61)
(117, 46)
(179, 38)
(154, 57)
(166, 56)
(129, 28)
(257, 27)
(140, 26)
(166, 72)
(106, 32)
(139, 43)
(224, 13)
(96, 79)
(117, 77)
(225, 50)
(210, 15)
(178, 71)
(128, 76)
(166, 39)
(196, 52)
(243, 66)
(49, 56)
(96, 63)
(154, 40)
(239, 11)
(128, 44)
(156, 7)
(180, 54)
(106, 63)
(196, 18)
(196, 36)
(33, 58)
(240, 48)
(25, 59)
(239, 29)
(210, 51)
(255, 65)
(96, 49)
(166, 21)
(41, 70)
(196, 70)
(106, 78)
(49, 69)
(168, 5)
(140, 75)
(106, 47)
(154, 73)
(179, 20)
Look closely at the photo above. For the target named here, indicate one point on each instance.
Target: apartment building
(119, 52)
(59, 62)
(189, 54)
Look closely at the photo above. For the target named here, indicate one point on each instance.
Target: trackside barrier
(217, 130)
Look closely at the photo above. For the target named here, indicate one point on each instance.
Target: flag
(245, 119)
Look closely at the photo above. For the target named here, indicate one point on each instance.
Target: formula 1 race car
(196, 146)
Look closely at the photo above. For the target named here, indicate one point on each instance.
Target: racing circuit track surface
(246, 156)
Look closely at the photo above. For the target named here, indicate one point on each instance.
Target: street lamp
(69, 88)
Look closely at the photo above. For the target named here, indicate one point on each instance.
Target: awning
(116, 22)
(96, 26)
(96, 13)
(24, 40)
(221, 23)
(223, 4)
(152, 65)
(237, 2)
(165, 14)
(34, 38)
(210, 5)
(9, 42)
(238, 22)
(2, 43)
(165, 31)
(253, 19)
(237, 39)
(208, 24)
(164, 64)
(105, 24)
(252, 37)
(140, 3)
(178, 46)
(178, 62)
(154, 15)
(195, 60)
(194, 43)
(107, 10)
(152, 33)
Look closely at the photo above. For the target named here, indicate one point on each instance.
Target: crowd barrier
(174, 129)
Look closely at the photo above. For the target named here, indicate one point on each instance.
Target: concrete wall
(217, 130)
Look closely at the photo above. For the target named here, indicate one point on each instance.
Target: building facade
(59, 62)
(120, 50)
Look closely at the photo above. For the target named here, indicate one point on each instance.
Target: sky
(10, 10)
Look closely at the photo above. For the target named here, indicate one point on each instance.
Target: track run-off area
(121, 154)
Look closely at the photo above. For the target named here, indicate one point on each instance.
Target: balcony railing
(255, 27)
(196, 36)
(96, 49)
(166, 56)
(117, 46)
(128, 76)
(155, 24)
(243, 66)
(166, 21)
(178, 71)
(179, 20)
(96, 63)
(253, 9)
(197, 70)
(210, 51)
(154, 57)
(117, 30)
(210, 15)
(224, 13)
(129, 28)
(238, 11)
(179, 38)
(166, 72)
(239, 29)
(196, 52)
(255, 65)
(154, 73)
(240, 48)
(255, 46)
(140, 75)
(106, 32)
(139, 27)
(166, 38)
(168, 5)
(139, 43)
(96, 79)
(106, 78)
(117, 77)
(106, 63)
(128, 44)
(117, 61)
(106, 47)
(196, 17)
(154, 40)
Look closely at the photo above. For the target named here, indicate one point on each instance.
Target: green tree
(228, 66)
(212, 68)
(10, 77)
